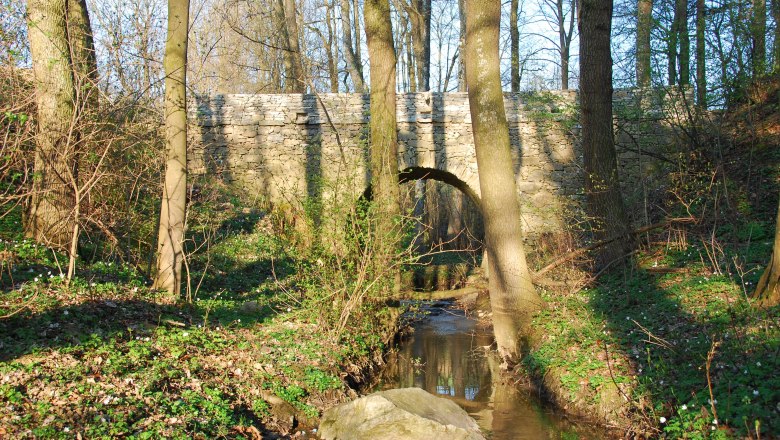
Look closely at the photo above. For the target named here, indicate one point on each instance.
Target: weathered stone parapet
(282, 147)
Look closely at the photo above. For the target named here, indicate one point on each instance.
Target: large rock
(407, 413)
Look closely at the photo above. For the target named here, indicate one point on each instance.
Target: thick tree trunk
(420, 18)
(514, 36)
(170, 239)
(564, 39)
(701, 56)
(671, 48)
(462, 46)
(297, 75)
(758, 33)
(776, 43)
(330, 53)
(513, 298)
(356, 22)
(354, 66)
(602, 186)
(50, 219)
(82, 48)
(644, 24)
(685, 43)
(383, 137)
(767, 291)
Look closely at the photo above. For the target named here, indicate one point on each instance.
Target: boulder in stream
(406, 413)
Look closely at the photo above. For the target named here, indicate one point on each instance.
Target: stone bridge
(285, 148)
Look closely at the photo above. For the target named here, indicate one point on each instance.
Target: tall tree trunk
(758, 34)
(420, 18)
(462, 46)
(701, 56)
(514, 35)
(768, 289)
(49, 219)
(685, 44)
(602, 186)
(513, 298)
(383, 137)
(354, 66)
(564, 39)
(356, 22)
(288, 57)
(330, 53)
(671, 48)
(776, 42)
(291, 18)
(644, 24)
(82, 48)
(170, 250)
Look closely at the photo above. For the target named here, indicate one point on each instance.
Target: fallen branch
(581, 251)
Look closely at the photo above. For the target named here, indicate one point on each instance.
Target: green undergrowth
(673, 348)
(103, 358)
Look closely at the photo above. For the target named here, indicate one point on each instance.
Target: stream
(447, 355)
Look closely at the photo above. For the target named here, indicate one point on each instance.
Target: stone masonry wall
(284, 148)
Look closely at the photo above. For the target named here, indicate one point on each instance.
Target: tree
(602, 186)
(701, 56)
(288, 26)
(678, 33)
(514, 36)
(557, 16)
(776, 42)
(353, 62)
(64, 71)
(420, 18)
(513, 298)
(758, 37)
(170, 241)
(383, 137)
(767, 291)
(644, 24)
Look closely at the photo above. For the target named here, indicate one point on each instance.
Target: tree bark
(383, 136)
(602, 186)
(170, 250)
(776, 41)
(297, 75)
(514, 35)
(685, 43)
(420, 18)
(354, 67)
(701, 56)
(767, 291)
(462, 47)
(330, 53)
(82, 48)
(644, 24)
(758, 33)
(564, 39)
(49, 219)
(356, 22)
(513, 298)
(671, 48)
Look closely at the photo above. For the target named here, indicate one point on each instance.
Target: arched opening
(449, 233)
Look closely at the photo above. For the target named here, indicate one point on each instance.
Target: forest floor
(102, 358)
(673, 346)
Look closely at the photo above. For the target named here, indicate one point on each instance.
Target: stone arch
(410, 174)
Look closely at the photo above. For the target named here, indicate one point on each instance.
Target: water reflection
(447, 355)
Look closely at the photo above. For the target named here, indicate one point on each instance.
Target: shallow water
(447, 355)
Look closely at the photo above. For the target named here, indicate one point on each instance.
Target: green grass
(102, 358)
(650, 334)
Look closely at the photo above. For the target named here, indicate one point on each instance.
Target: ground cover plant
(103, 358)
(673, 347)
